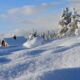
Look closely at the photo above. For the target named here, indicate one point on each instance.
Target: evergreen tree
(69, 22)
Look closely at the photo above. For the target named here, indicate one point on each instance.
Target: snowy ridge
(56, 60)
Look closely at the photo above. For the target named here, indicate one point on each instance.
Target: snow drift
(33, 43)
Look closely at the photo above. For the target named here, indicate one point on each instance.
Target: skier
(14, 37)
(4, 44)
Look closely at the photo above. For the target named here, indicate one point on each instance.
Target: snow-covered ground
(56, 60)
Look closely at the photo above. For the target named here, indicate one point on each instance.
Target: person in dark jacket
(14, 37)
(4, 44)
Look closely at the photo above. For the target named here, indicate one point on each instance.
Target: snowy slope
(56, 60)
(19, 41)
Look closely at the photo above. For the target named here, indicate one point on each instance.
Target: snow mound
(15, 42)
(33, 43)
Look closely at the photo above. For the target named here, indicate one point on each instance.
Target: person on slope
(4, 44)
(14, 37)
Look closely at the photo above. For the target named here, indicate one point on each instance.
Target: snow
(56, 60)
(77, 32)
(15, 42)
(33, 43)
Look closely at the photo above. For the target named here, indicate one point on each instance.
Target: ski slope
(55, 60)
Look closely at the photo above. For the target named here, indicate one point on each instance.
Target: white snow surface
(15, 42)
(33, 43)
(56, 60)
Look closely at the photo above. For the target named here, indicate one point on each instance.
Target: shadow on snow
(63, 74)
(9, 50)
(4, 60)
(36, 52)
(62, 48)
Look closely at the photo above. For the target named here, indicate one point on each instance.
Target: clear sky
(25, 14)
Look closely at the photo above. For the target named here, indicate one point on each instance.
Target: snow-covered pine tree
(32, 34)
(65, 20)
(49, 35)
(69, 22)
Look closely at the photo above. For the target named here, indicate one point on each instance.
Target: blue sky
(25, 14)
